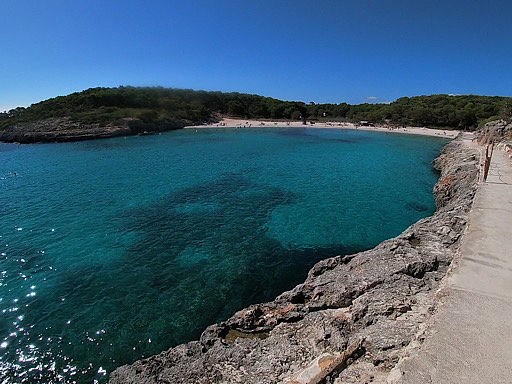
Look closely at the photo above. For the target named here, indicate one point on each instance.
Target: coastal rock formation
(351, 318)
(498, 132)
(65, 129)
(495, 131)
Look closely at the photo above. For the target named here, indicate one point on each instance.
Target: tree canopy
(183, 106)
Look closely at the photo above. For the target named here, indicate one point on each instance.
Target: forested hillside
(178, 107)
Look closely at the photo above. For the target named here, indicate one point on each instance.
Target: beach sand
(247, 123)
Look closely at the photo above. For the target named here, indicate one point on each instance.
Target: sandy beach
(247, 123)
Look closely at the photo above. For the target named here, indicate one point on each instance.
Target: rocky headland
(350, 320)
(63, 129)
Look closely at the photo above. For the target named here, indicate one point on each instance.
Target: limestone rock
(65, 129)
(381, 296)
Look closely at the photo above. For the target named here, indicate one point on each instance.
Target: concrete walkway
(470, 337)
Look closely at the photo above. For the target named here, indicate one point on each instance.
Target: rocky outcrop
(360, 310)
(498, 132)
(495, 132)
(65, 129)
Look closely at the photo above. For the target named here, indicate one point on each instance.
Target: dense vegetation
(180, 106)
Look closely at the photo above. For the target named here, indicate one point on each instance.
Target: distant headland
(108, 112)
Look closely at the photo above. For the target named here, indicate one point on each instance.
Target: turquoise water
(116, 249)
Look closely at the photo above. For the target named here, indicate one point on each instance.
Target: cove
(112, 250)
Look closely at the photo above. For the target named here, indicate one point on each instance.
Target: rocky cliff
(64, 129)
(351, 318)
(495, 131)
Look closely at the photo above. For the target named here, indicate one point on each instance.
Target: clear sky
(322, 51)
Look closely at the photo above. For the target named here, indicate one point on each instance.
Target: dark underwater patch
(155, 292)
(417, 207)
(172, 266)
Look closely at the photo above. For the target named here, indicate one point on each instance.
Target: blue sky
(322, 51)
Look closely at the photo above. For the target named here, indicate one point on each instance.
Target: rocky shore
(497, 131)
(65, 129)
(351, 318)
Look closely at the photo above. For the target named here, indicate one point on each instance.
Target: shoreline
(367, 307)
(476, 292)
(248, 123)
(62, 130)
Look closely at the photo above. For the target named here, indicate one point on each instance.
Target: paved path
(470, 339)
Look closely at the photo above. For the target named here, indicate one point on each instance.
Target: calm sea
(112, 250)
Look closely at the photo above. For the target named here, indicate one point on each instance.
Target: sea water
(117, 249)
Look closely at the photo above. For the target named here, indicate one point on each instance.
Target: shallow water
(116, 249)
